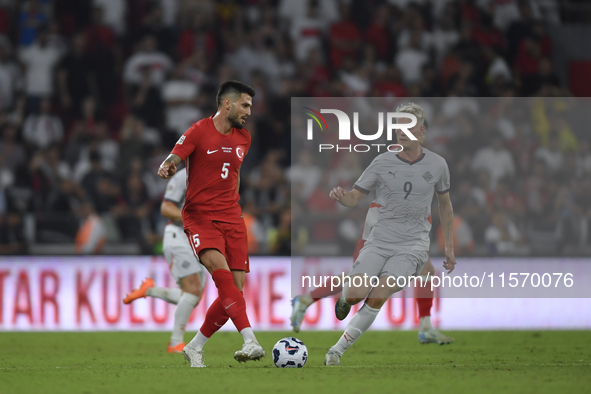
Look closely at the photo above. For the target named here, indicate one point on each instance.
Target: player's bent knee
(213, 259)
(192, 284)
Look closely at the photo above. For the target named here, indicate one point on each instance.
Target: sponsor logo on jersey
(226, 150)
(427, 176)
(393, 173)
(181, 140)
(209, 152)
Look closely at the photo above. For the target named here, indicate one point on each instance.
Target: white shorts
(179, 255)
(376, 261)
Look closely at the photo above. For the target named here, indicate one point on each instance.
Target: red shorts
(229, 238)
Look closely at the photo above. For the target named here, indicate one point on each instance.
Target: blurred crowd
(94, 94)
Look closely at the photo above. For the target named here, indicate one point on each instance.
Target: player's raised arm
(345, 198)
(168, 167)
(446, 216)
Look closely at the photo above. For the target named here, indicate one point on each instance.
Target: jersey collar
(411, 162)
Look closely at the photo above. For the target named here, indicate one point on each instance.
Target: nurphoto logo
(345, 129)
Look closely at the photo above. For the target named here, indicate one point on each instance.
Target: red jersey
(212, 160)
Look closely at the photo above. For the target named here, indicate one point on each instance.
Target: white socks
(356, 327)
(425, 323)
(172, 296)
(198, 341)
(248, 335)
(183, 310)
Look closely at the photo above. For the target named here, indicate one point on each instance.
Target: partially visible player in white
(423, 295)
(185, 268)
(398, 243)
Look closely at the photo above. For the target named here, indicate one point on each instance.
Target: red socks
(230, 302)
(215, 318)
(424, 297)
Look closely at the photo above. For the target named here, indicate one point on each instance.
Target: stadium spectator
(153, 25)
(76, 77)
(305, 173)
(91, 237)
(43, 129)
(32, 18)
(199, 38)
(410, 60)
(496, 160)
(344, 38)
(100, 186)
(180, 95)
(147, 59)
(114, 13)
(551, 155)
(377, 33)
(10, 78)
(133, 210)
(502, 236)
(39, 60)
(12, 152)
(291, 10)
(445, 36)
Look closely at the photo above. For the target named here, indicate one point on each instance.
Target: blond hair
(413, 108)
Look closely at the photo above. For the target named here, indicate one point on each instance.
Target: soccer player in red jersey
(213, 150)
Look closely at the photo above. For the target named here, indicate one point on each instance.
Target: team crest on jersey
(240, 152)
(427, 176)
(181, 140)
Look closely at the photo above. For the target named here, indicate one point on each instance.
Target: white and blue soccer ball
(290, 353)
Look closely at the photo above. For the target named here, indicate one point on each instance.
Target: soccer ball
(290, 353)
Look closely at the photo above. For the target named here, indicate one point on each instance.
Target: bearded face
(235, 118)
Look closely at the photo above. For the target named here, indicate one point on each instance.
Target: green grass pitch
(380, 362)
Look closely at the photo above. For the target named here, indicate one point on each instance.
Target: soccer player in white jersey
(185, 268)
(398, 243)
(424, 295)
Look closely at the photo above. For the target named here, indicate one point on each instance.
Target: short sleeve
(177, 187)
(186, 144)
(443, 184)
(368, 181)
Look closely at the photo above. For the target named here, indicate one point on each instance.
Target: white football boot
(433, 336)
(332, 358)
(299, 305)
(250, 351)
(195, 357)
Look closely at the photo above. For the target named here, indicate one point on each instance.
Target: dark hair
(233, 87)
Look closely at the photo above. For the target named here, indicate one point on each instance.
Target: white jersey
(176, 247)
(401, 212)
(176, 190)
